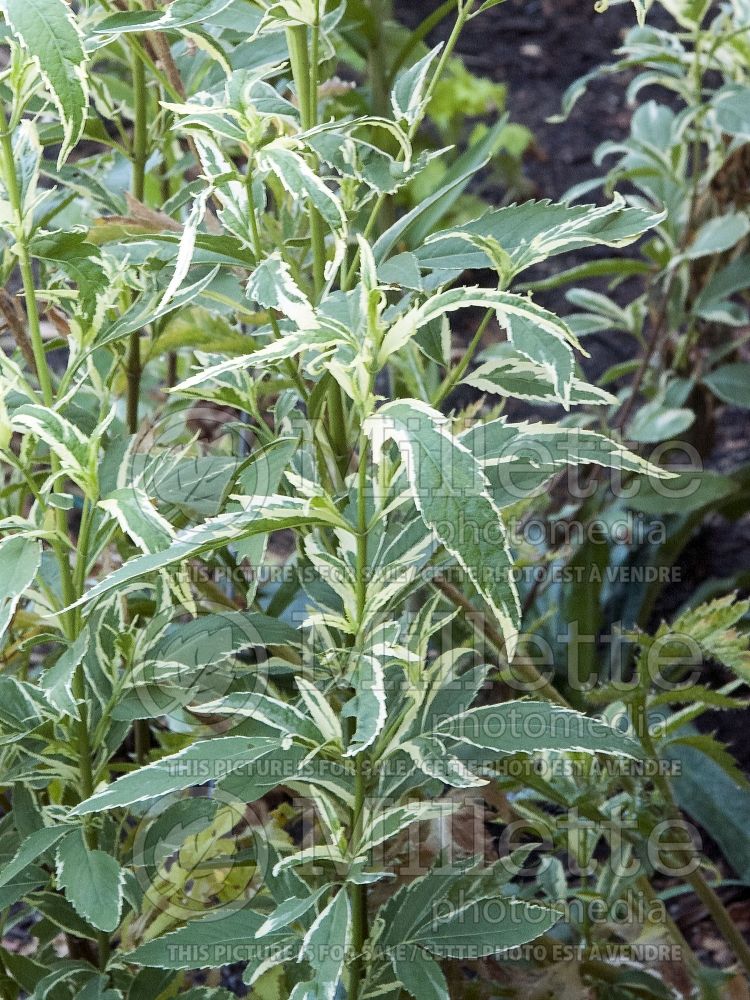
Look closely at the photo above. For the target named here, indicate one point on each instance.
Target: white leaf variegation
(535, 332)
(48, 32)
(453, 497)
(407, 96)
(516, 377)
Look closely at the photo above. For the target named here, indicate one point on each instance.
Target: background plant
(229, 239)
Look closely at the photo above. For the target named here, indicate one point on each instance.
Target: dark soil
(539, 47)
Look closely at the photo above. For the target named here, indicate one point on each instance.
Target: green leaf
(34, 846)
(297, 178)
(532, 232)
(47, 30)
(326, 944)
(20, 557)
(92, 881)
(519, 458)
(452, 495)
(731, 383)
(180, 14)
(516, 377)
(368, 706)
(23, 708)
(279, 715)
(150, 307)
(732, 109)
(290, 911)
(486, 6)
(711, 626)
(407, 96)
(29, 880)
(260, 515)
(703, 790)
(62, 437)
(389, 822)
(655, 422)
(206, 760)
(481, 929)
(426, 216)
(292, 343)
(139, 518)
(419, 974)
(687, 493)
(535, 332)
(688, 13)
(208, 943)
(531, 726)
(57, 681)
(718, 235)
(272, 286)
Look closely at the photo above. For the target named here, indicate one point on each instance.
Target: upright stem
(305, 73)
(71, 620)
(358, 893)
(21, 250)
(305, 67)
(139, 155)
(382, 11)
(464, 13)
(705, 893)
(138, 187)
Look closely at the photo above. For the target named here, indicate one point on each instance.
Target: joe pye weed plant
(227, 357)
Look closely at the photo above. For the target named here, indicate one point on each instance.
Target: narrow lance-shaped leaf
(419, 974)
(206, 760)
(390, 822)
(62, 437)
(407, 96)
(180, 14)
(147, 309)
(535, 230)
(487, 928)
(92, 881)
(135, 513)
(19, 561)
(57, 681)
(531, 726)
(292, 343)
(47, 31)
(290, 911)
(452, 495)
(298, 178)
(271, 285)
(534, 331)
(326, 944)
(368, 705)
(33, 847)
(500, 443)
(260, 515)
(185, 250)
(517, 377)
(208, 943)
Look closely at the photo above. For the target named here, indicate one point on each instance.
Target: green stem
(457, 374)
(21, 250)
(382, 13)
(305, 67)
(378, 71)
(417, 36)
(358, 893)
(705, 893)
(139, 156)
(464, 13)
(305, 73)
